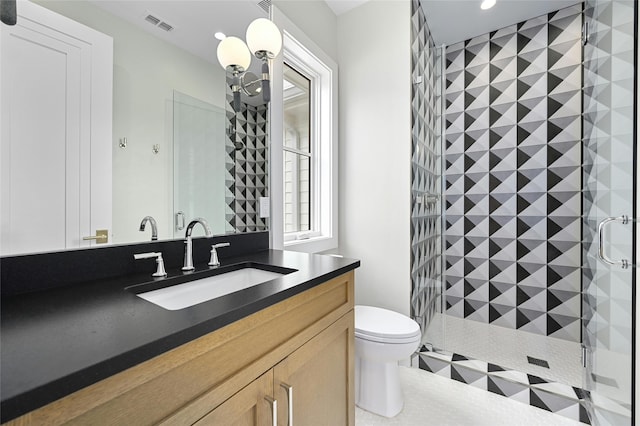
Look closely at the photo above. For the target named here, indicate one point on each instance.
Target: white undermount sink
(182, 296)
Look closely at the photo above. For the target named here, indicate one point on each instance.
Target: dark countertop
(55, 342)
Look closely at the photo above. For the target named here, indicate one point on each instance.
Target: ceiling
(194, 21)
(342, 6)
(451, 21)
(194, 24)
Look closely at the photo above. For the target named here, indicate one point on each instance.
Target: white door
(56, 79)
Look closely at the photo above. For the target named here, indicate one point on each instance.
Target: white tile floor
(508, 348)
(434, 400)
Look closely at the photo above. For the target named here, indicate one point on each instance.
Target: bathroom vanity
(96, 353)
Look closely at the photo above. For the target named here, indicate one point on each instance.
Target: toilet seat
(384, 326)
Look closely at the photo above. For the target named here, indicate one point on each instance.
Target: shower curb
(558, 398)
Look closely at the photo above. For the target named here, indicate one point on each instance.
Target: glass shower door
(199, 153)
(608, 272)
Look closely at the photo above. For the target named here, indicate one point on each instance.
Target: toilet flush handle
(289, 390)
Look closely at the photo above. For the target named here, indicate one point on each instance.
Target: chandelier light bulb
(264, 36)
(232, 52)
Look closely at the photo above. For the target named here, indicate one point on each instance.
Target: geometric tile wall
(247, 165)
(608, 188)
(426, 171)
(513, 176)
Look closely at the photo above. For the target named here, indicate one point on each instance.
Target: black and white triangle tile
(426, 169)
(246, 174)
(558, 398)
(513, 177)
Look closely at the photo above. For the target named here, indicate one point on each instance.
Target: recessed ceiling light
(220, 36)
(487, 4)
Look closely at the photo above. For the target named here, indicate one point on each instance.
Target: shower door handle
(624, 263)
(180, 221)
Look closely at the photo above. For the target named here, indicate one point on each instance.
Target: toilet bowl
(382, 338)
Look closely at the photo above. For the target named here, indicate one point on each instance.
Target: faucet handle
(160, 272)
(214, 261)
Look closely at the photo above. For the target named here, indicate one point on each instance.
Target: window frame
(307, 58)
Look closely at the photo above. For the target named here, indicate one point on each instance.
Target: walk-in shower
(526, 135)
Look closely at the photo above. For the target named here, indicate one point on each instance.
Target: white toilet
(383, 338)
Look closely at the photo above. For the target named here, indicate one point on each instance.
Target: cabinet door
(248, 407)
(320, 377)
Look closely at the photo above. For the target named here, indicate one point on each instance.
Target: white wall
(317, 21)
(146, 71)
(374, 60)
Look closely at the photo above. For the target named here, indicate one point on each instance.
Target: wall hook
(122, 143)
(156, 148)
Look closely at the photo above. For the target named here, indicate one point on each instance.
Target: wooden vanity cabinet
(252, 405)
(232, 375)
(316, 373)
(315, 376)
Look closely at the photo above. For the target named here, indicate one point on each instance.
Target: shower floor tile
(508, 348)
(435, 400)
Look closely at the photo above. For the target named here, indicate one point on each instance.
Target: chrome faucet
(154, 227)
(188, 249)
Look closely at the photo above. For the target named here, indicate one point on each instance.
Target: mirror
(171, 100)
(200, 163)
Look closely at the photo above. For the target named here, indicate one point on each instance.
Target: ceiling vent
(164, 26)
(158, 22)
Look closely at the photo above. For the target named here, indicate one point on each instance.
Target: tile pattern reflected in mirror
(246, 175)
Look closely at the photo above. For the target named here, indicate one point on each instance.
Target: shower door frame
(593, 347)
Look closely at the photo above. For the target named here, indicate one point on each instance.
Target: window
(297, 155)
(304, 191)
